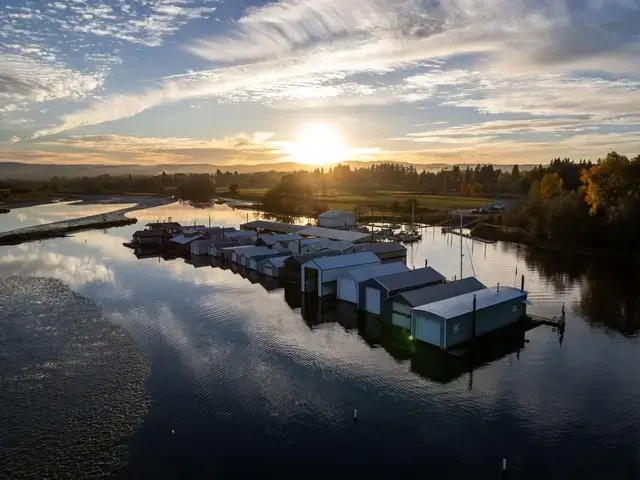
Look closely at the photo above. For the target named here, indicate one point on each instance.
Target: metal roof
(183, 239)
(435, 293)
(417, 277)
(342, 261)
(238, 248)
(382, 247)
(303, 258)
(240, 234)
(462, 304)
(273, 226)
(164, 225)
(253, 251)
(370, 271)
(149, 233)
(334, 213)
(277, 262)
(272, 239)
(334, 234)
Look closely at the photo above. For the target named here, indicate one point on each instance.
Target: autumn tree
(551, 186)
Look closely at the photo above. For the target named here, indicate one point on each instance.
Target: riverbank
(516, 235)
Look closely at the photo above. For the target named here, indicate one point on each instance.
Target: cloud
(314, 52)
(23, 80)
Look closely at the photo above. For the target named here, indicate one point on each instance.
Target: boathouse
(456, 320)
(321, 274)
(349, 282)
(374, 291)
(292, 270)
(271, 240)
(254, 260)
(245, 254)
(272, 267)
(150, 237)
(231, 254)
(167, 227)
(386, 251)
(216, 245)
(399, 306)
(336, 219)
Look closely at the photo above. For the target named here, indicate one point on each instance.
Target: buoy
(355, 414)
(173, 431)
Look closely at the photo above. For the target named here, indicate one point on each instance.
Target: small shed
(246, 254)
(292, 270)
(374, 291)
(386, 251)
(253, 261)
(336, 219)
(216, 245)
(272, 267)
(454, 320)
(399, 306)
(349, 282)
(321, 274)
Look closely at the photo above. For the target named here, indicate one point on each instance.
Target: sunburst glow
(318, 144)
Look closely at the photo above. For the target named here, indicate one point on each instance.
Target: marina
(368, 275)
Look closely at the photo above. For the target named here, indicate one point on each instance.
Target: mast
(461, 254)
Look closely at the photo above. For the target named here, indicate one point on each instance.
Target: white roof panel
(462, 304)
(334, 213)
(334, 234)
(341, 261)
(369, 271)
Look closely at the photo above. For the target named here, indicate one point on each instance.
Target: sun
(318, 144)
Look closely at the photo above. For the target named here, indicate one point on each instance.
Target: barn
(399, 306)
(272, 267)
(386, 251)
(321, 274)
(349, 282)
(375, 290)
(456, 320)
(336, 219)
(292, 270)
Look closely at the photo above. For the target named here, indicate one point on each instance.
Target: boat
(395, 226)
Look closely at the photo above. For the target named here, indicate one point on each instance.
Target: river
(241, 382)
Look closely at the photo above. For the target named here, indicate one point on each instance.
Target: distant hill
(33, 171)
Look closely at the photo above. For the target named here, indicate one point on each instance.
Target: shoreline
(500, 234)
(116, 218)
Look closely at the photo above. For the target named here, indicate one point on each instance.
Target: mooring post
(522, 285)
(504, 468)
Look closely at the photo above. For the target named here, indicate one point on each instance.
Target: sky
(317, 81)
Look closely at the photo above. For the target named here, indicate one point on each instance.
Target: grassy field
(380, 200)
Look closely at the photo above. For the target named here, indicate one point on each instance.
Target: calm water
(250, 384)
